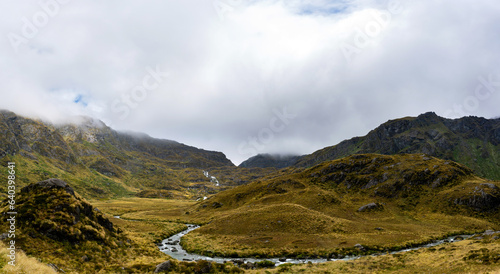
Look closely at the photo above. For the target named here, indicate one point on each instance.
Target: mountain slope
(472, 141)
(382, 202)
(101, 162)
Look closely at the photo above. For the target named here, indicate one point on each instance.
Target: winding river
(171, 246)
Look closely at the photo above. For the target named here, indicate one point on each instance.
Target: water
(171, 246)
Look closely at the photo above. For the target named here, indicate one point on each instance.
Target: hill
(471, 141)
(56, 224)
(268, 160)
(101, 162)
(381, 202)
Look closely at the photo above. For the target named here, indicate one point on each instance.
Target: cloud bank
(246, 77)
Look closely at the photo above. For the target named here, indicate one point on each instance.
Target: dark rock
(238, 262)
(359, 247)
(50, 184)
(379, 228)
(282, 260)
(56, 268)
(485, 197)
(174, 249)
(496, 237)
(216, 205)
(371, 207)
(249, 265)
(163, 267)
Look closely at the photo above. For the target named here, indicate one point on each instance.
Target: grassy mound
(57, 225)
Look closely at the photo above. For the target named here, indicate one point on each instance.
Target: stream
(171, 246)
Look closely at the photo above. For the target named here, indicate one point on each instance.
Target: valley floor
(148, 221)
(468, 256)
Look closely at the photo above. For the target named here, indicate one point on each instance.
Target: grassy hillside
(381, 202)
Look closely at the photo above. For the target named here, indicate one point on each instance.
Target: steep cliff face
(472, 141)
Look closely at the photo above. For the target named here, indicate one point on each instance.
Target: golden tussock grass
(23, 263)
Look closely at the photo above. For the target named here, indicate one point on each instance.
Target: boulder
(371, 207)
(359, 247)
(163, 267)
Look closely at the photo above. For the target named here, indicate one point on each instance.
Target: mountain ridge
(472, 141)
(99, 160)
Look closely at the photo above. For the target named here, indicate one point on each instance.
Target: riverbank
(172, 247)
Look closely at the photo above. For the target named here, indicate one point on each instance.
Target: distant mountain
(268, 160)
(472, 141)
(99, 160)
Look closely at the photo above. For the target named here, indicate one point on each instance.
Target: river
(171, 246)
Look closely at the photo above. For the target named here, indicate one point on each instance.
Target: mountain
(268, 160)
(101, 162)
(86, 137)
(373, 201)
(472, 141)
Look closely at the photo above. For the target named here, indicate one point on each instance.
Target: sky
(249, 77)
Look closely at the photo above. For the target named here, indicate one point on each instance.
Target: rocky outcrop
(49, 184)
(484, 197)
(52, 209)
(371, 207)
(163, 267)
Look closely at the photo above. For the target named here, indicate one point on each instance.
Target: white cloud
(227, 76)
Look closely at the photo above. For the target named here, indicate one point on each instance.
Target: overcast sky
(247, 77)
